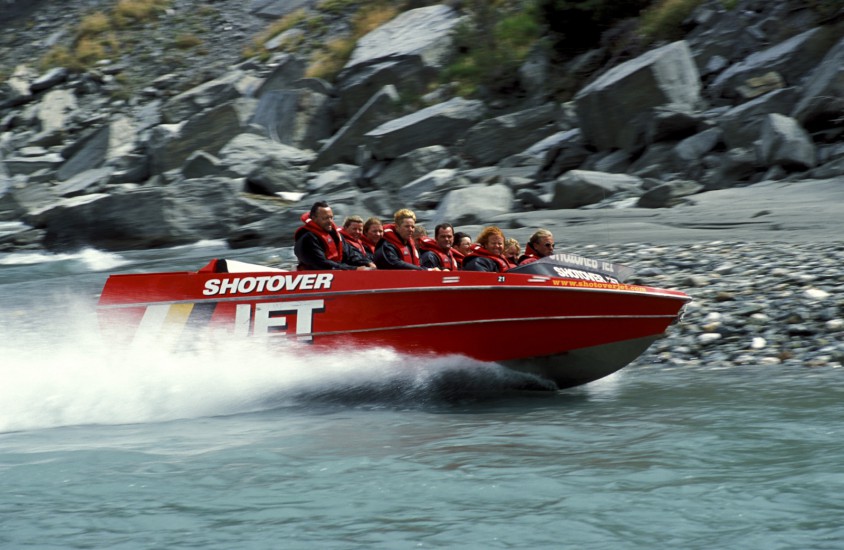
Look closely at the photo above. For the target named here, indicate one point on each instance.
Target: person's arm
(388, 257)
(477, 263)
(429, 259)
(354, 257)
(311, 254)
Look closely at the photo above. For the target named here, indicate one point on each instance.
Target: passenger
(437, 252)
(373, 230)
(418, 232)
(512, 250)
(352, 232)
(462, 245)
(320, 246)
(397, 249)
(487, 254)
(541, 244)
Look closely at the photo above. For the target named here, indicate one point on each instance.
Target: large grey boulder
(741, 124)
(170, 145)
(18, 196)
(822, 102)
(491, 140)
(474, 205)
(691, 150)
(343, 145)
(54, 109)
(289, 69)
(789, 59)
(109, 221)
(735, 167)
(111, 141)
(567, 151)
(246, 152)
(141, 217)
(231, 85)
(300, 118)
(423, 31)
(784, 143)
(15, 90)
(578, 188)
(614, 109)
(27, 165)
(85, 183)
(53, 77)
(429, 189)
(441, 124)
(273, 175)
(668, 194)
(411, 166)
(356, 85)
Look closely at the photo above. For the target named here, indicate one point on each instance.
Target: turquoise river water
(234, 447)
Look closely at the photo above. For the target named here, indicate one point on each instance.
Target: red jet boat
(567, 319)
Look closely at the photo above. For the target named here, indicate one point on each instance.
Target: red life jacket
(354, 241)
(369, 245)
(407, 250)
(529, 256)
(332, 242)
(447, 260)
(478, 250)
(458, 257)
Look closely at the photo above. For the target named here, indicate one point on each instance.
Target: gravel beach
(763, 264)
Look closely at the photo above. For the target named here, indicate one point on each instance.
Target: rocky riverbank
(751, 97)
(755, 304)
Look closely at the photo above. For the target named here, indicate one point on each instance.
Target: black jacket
(309, 249)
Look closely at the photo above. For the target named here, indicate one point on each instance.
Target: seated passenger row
(367, 245)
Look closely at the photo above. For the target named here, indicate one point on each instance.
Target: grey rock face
(613, 109)
(578, 188)
(788, 58)
(423, 31)
(493, 139)
(441, 124)
(474, 205)
(822, 102)
(784, 143)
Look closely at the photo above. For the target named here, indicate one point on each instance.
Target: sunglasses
(548, 245)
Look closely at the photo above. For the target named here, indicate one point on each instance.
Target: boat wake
(75, 377)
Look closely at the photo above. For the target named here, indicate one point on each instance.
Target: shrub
(60, 56)
(279, 26)
(95, 38)
(94, 23)
(491, 47)
(664, 19)
(186, 41)
(89, 50)
(329, 60)
(127, 12)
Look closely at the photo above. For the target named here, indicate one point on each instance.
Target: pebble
(816, 294)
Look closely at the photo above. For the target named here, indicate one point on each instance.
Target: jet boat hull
(567, 330)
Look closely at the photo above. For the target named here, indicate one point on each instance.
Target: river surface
(234, 447)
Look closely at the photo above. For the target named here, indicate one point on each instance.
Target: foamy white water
(64, 372)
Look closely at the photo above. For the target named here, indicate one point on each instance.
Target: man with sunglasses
(541, 244)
